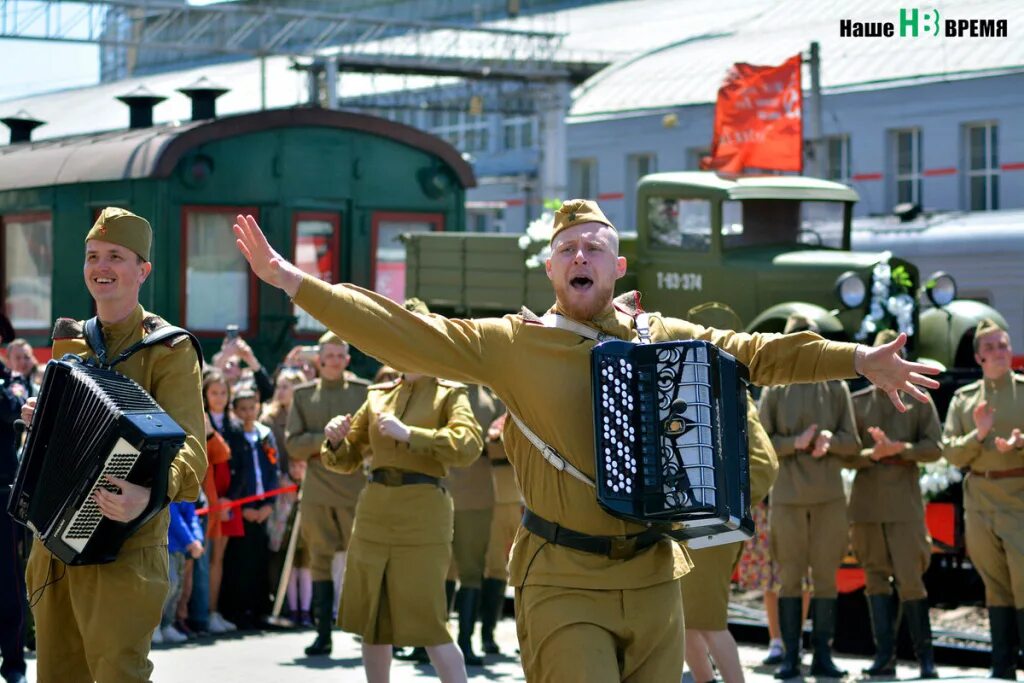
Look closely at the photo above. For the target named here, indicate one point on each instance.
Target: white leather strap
(550, 454)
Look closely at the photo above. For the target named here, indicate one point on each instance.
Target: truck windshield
(680, 223)
(782, 222)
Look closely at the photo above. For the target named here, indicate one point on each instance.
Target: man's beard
(596, 301)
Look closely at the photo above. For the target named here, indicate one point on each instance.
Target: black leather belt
(500, 463)
(613, 547)
(390, 477)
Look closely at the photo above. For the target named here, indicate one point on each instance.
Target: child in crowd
(184, 539)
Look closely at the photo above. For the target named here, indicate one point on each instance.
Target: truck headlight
(850, 289)
(940, 288)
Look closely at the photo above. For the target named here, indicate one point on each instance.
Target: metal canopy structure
(361, 43)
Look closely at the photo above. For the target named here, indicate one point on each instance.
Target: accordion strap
(553, 457)
(94, 336)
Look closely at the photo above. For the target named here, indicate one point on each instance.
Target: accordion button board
(89, 423)
(670, 438)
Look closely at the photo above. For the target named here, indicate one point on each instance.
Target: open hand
(1015, 441)
(124, 506)
(884, 446)
(391, 426)
(886, 369)
(822, 443)
(268, 265)
(803, 440)
(984, 417)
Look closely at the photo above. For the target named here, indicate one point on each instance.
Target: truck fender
(774, 319)
(947, 333)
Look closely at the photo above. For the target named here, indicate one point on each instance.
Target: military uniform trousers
(469, 545)
(504, 524)
(705, 589)
(900, 550)
(325, 530)
(995, 543)
(394, 578)
(117, 608)
(805, 536)
(574, 635)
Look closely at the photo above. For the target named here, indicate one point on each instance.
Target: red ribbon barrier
(248, 499)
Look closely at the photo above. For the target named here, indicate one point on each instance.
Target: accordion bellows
(670, 424)
(90, 422)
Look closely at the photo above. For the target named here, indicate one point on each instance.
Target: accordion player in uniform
(94, 621)
(596, 598)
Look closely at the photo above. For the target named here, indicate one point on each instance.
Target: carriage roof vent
(141, 102)
(203, 94)
(21, 124)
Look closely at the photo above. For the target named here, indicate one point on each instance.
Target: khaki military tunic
(508, 511)
(95, 622)
(472, 490)
(401, 541)
(808, 505)
(993, 508)
(543, 376)
(328, 498)
(886, 508)
(706, 587)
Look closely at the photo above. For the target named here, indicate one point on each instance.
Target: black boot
(323, 616)
(916, 614)
(492, 599)
(449, 598)
(883, 624)
(791, 618)
(1002, 622)
(417, 654)
(466, 603)
(823, 614)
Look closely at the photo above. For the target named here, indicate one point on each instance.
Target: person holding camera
(235, 351)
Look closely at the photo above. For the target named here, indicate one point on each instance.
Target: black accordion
(90, 422)
(670, 429)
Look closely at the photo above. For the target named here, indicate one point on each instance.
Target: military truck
(741, 253)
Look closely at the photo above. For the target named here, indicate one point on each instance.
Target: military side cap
(576, 211)
(985, 326)
(329, 337)
(122, 227)
(885, 336)
(799, 323)
(416, 306)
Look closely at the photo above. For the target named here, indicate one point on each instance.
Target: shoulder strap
(553, 457)
(94, 336)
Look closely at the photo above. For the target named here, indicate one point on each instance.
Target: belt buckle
(622, 547)
(391, 477)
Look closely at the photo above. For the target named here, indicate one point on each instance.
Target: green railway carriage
(333, 190)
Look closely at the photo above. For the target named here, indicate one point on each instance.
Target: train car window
(388, 252)
(316, 238)
(28, 271)
(213, 264)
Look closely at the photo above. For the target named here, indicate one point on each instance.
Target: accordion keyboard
(118, 464)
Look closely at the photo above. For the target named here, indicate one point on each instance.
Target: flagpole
(817, 157)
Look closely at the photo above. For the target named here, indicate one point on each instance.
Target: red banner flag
(758, 121)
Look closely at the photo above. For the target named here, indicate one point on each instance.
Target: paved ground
(276, 657)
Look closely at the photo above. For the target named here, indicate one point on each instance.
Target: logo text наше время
(914, 23)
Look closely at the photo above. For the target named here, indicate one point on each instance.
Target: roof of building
(689, 69)
(155, 152)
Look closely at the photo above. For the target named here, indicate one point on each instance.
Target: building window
(583, 178)
(983, 166)
(217, 278)
(637, 166)
(694, 155)
(517, 132)
(317, 237)
(907, 162)
(837, 158)
(388, 250)
(28, 271)
(464, 131)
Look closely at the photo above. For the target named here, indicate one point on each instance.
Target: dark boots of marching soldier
(1002, 623)
(492, 599)
(883, 631)
(323, 617)
(823, 630)
(467, 602)
(791, 624)
(915, 612)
